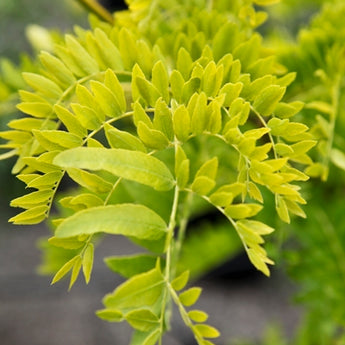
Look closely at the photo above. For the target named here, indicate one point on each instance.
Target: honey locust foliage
(174, 105)
(319, 60)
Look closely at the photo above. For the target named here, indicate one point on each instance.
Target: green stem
(169, 247)
(97, 9)
(233, 223)
(263, 122)
(182, 230)
(184, 314)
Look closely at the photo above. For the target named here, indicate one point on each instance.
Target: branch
(99, 10)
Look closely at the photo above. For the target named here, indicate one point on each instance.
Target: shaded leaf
(142, 319)
(128, 266)
(65, 269)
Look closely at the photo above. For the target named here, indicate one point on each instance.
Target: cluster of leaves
(156, 117)
(319, 60)
(315, 260)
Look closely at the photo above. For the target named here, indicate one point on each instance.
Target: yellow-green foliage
(173, 105)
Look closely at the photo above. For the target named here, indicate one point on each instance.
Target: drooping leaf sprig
(150, 127)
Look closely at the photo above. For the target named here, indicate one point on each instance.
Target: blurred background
(242, 303)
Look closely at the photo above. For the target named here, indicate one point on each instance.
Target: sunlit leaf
(124, 219)
(190, 296)
(198, 315)
(111, 315)
(131, 165)
(181, 281)
(139, 291)
(87, 262)
(206, 331)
